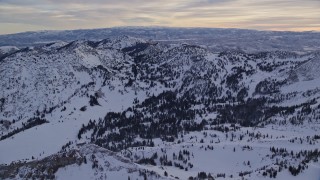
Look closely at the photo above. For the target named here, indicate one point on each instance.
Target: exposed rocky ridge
(100, 159)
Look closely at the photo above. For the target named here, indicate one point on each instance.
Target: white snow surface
(61, 75)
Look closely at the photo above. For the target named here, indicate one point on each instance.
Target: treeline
(32, 122)
(166, 115)
(163, 116)
(304, 156)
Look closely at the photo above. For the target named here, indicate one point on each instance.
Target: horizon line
(165, 27)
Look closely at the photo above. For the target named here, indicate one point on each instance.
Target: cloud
(73, 14)
(139, 20)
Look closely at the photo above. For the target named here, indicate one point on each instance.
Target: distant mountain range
(212, 38)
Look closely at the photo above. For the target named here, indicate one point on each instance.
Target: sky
(281, 15)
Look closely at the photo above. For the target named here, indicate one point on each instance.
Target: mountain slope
(163, 106)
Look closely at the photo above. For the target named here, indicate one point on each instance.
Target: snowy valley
(126, 107)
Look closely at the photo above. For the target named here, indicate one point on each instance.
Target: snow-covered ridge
(5, 50)
(170, 98)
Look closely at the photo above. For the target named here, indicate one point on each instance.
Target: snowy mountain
(127, 107)
(5, 50)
